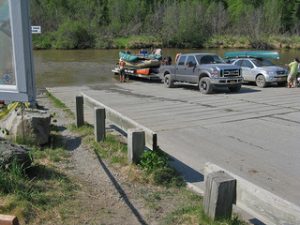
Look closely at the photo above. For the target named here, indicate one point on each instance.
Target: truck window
(181, 60)
(191, 61)
(247, 63)
(209, 59)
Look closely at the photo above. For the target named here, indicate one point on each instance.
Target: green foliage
(38, 187)
(73, 35)
(104, 23)
(153, 160)
(43, 41)
(156, 164)
(11, 179)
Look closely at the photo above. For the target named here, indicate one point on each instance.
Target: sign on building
(17, 82)
(36, 29)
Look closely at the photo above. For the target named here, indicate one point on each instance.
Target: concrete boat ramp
(254, 135)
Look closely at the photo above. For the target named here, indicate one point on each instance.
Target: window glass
(209, 59)
(247, 63)
(181, 60)
(191, 61)
(7, 73)
(262, 62)
(238, 63)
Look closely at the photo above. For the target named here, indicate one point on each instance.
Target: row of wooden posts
(135, 137)
(220, 188)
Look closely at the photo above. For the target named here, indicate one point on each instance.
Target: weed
(59, 104)
(153, 160)
(168, 177)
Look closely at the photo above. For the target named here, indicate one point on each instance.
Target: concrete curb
(260, 203)
(124, 122)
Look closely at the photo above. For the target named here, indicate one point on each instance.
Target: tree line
(172, 23)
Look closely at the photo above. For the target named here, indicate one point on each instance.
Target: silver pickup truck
(203, 69)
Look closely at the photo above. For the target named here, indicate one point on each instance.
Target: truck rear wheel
(168, 81)
(205, 86)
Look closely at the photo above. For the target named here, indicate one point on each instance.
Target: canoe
(252, 54)
(127, 56)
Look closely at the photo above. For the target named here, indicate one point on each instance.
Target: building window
(7, 67)
(17, 81)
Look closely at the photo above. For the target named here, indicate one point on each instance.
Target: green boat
(252, 54)
(127, 56)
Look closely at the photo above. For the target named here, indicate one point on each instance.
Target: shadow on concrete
(189, 174)
(119, 130)
(221, 90)
(121, 192)
(256, 222)
(153, 80)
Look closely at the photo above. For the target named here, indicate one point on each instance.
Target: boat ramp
(254, 135)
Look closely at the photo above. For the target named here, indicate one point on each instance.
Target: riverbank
(50, 41)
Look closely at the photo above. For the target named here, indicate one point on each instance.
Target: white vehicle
(256, 67)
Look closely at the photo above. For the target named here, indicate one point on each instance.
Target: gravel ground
(105, 195)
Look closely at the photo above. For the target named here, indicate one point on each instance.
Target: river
(84, 67)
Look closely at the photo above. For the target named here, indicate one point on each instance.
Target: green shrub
(42, 41)
(73, 35)
(152, 160)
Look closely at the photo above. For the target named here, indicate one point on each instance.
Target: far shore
(47, 41)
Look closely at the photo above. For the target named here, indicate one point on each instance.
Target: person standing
(122, 70)
(292, 77)
(177, 56)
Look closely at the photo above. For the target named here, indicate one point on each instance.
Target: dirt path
(101, 198)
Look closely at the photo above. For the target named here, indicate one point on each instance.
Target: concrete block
(8, 220)
(260, 203)
(99, 124)
(79, 111)
(220, 193)
(136, 144)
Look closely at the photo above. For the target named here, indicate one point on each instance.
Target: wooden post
(79, 111)
(99, 126)
(136, 144)
(8, 220)
(220, 194)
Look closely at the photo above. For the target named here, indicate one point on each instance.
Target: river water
(84, 67)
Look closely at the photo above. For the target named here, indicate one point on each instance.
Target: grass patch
(157, 169)
(59, 104)
(31, 193)
(111, 149)
(34, 191)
